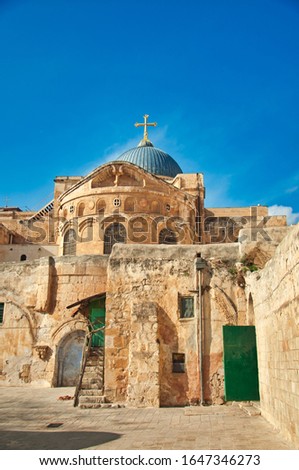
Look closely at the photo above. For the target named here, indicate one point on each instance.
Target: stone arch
(226, 306)
(68, 358)
(86, 229)
(66, 327)
(129, 204)
(101, 206)
(8, 299)
(250, 311)
(69, 242)
(23, 258)
(114, 233)
(81, 209)
(167, 237)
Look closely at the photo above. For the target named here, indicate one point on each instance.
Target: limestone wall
(258, 245)
(14, 252)
(273, 294)
(144, 328)
(225, 224)
(35, 296)
(25, 230)
(4, 235)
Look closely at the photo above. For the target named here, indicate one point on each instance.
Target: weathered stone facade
(273, 295)
(150, 281)
(165, 274)
(35, 296)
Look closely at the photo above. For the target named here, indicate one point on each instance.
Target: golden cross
(145, 124)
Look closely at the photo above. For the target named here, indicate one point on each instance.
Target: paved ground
(26, 413)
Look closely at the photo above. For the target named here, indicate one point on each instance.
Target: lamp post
(200, 264)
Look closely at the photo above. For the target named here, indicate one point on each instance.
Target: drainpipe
(199, 266)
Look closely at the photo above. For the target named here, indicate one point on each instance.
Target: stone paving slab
(25, 414)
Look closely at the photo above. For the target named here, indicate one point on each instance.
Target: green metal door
(97, 318)
(240, 363)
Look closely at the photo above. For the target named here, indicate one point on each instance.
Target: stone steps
(92, 373)
(92, 399)
(91, 393)
(251, 408)
(92, 384)
(96, 400)
(95, 364)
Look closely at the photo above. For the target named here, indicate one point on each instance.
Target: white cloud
(111, 153)
(114, 151)
(292, 190)
(292, 217)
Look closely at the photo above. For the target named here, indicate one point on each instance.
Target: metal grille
(115, 233)
(167, 237)
(69, 243)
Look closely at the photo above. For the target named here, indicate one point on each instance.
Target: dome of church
(151, 159)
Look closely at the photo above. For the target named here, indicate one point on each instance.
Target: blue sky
(219, 77)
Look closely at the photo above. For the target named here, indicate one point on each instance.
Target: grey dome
(151, 159)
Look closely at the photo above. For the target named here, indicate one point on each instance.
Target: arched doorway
(69, 356)
(115, 233)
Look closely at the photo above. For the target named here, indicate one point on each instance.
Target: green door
(240, 363)
(97, 318)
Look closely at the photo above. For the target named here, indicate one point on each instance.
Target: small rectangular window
(186, 307)
(178, 362)
(1, 312)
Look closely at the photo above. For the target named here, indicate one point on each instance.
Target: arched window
(115, 233)
(129, 204)
(101, 206)
(155, 207)
(81, 209)
(23, 258)
(167, 237)
(69, 242)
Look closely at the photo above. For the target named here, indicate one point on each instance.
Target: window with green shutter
(1, 312)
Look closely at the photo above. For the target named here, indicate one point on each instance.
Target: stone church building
(173, 303)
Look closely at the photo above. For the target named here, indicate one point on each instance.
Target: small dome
(151, 159)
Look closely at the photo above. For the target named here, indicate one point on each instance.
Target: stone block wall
(275, 294)
(4, 235)
(14, 252)
(35, 296)
(258, 245)
(144, 328)
(143, 363)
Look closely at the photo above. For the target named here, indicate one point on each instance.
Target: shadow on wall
(250, 311)
(173, 386)
(53, 440)
(213, 375)
(53, 286)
